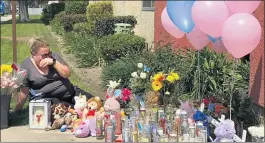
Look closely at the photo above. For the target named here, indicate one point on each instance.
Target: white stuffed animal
(80, 105)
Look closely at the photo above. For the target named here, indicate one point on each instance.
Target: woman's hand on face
(45, 62)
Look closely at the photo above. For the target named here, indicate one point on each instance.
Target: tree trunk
(23, 10)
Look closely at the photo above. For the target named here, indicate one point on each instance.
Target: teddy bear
(80, 105)
(93, 105)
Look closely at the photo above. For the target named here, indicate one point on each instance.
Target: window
(148, 5)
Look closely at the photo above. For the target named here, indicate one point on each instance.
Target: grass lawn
(34, 27)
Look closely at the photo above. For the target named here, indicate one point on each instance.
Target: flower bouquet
(164, 84)
(257, 133)
(139, 84)
(9, 82)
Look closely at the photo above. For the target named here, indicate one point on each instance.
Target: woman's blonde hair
(35, 44)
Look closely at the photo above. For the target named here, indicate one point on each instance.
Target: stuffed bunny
(225, 130)
(80, 105)
(187, 107)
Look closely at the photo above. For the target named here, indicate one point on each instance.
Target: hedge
(98, 11)
(107, 26)
(76, 7)
(49, 11)
(116, 46)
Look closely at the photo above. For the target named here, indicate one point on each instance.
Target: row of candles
(151, 125)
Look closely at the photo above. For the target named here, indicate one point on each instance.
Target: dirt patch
(88, 76)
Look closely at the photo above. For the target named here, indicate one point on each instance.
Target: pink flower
(125, 92)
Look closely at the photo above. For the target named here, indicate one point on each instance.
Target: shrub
(82, 27)
(68, 21)
(98, 11)
(119, 45)
(106, 26)
(76, 7)
(83, 47)
(56, 23)
(49, 11)
(120, 69)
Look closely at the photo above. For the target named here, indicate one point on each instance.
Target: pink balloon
(218, 46)
(210, 16)
(242, 6)
(197, 38)
(169, 25)
(241, 34)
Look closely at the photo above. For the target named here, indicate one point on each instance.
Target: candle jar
(169, 112)
(192, 134)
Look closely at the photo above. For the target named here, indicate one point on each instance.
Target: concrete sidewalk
(24, 134)
(6, 18)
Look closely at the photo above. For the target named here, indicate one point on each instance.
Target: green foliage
(83, 47)
(49, 11)
(121, 69)
(76, 7)
(98, 11)
(56, 23)
(82, 27)
(68, 21)
(106, 26)
(116, 46)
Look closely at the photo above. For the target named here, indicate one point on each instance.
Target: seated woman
(47, 75)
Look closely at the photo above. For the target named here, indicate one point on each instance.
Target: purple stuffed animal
(225, 130)
(86, 129)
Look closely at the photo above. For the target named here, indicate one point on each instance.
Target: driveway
(24, 134)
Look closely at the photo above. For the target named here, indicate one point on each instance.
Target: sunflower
(156, 85)
(175, 75)
(5, 68)
(159, 77)
(170, 78)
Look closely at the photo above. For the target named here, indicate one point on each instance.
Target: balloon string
(233, 82)
(198, 68)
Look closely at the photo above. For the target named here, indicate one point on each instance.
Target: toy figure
(86, 128)
(38, 117)
(80, 105)
(93, 105)
(225, 130)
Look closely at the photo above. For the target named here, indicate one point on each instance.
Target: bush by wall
(82, 27)
(106, 26)
(49, 11)
(98, 11)
(116, 46)
(76, 7)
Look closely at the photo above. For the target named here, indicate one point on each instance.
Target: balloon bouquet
(228, 25)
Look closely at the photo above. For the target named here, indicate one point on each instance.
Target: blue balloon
(214, 39)
(180, 14)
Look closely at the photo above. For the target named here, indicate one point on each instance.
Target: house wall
(256, 83)
(145, 19)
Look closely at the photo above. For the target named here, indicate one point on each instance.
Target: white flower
(256, 131)
(140, 65)
(113, 84)
(142, 75)
(167, 93)
(134, 74)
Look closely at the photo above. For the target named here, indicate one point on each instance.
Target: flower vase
(5, 106)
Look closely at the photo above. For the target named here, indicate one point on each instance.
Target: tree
(23, 10)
